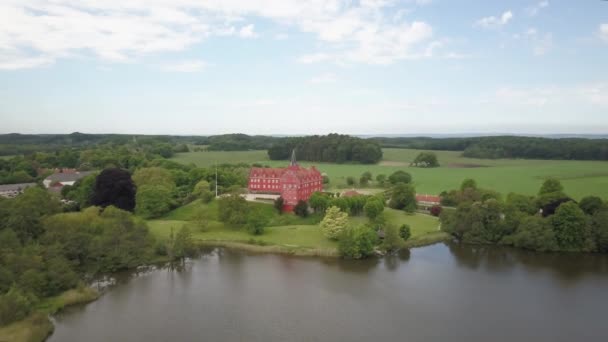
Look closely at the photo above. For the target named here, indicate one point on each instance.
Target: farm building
(427, 201)
(64, 177)
(12, 190)
(293, 183)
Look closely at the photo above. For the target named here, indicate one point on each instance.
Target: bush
(334, 223)
(15, 305)
(233, 210)
(256, 222)
(373, 207)
(405, 232)
(403, 197)
(301, 209)
(278, 205)
(357, 242)
(351, 181)
(392, 239)
(436, 210)
(400, 177)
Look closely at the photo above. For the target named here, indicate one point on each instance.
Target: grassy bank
(287, 233)
(580, 178)
(37, 327)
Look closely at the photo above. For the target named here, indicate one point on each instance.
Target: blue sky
(303, 66)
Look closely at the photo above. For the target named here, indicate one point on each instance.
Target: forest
(332, 148)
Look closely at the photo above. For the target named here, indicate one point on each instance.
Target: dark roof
(68, 176)
(16, 187)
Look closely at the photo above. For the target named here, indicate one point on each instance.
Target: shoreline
(38, 326)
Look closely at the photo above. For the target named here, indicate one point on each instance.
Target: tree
(357, 242)
(233, 210)
(534, 233)
(14, 305)
(203, 191)
(591, 204)
(569, 225)
(405, 232)
(403, 197)
(381, 179)
(334, 223)
(27, 211)
(278, 205)
(468, 184)
(114, 187)
(301, 209)
(522, 203)
(351, 181)
(392, 239)
(373, 207)
(400, 177)
(318, 202)
(550, 185)
(256, 222)
(436, 210)
(154, 176)
(183, 244)
(599, 224)
(153, 201)
(366, 177)
(426, 159)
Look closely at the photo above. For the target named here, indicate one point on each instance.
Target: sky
(200, 67)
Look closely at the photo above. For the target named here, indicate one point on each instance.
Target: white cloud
(494, 22)
(595, 93)
(314, 58)
(119, 30)
(535, 9)
(281, 36)
(186, 66)
(590, 94)
(603, 32)
(248, 32)
(324, 78)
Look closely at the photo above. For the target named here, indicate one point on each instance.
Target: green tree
(534, 233)
(319, 202)
(256, 222)
(599, 225)
(334, 223)
(569, 225)
(351, 181)
(233, 210)
(403, 197)
(154, 176)
(405, 232)
(153, 201)
(426, 159)
(381, 179)
(591, 204)
(27, 212)
(400, 177)
(392, 239)
(374, 206)
(357, 242)
(203, 191)
(183, 243)
(301, 209)
(278, 205)
(14, 305)
(550, 185)
(468, 184)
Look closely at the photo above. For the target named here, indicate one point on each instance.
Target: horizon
(368, 67)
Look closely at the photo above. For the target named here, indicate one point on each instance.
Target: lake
(436, 293)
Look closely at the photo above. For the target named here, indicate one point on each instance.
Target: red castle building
(293, 183)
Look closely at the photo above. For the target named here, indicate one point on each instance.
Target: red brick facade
(293, 183)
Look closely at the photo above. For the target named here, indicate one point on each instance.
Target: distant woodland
(329, 148)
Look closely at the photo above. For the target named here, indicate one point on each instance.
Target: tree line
(550, 221)
(334, 148)
(508, 147)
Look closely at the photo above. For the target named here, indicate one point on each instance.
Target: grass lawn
(580, 178)
(295, 233)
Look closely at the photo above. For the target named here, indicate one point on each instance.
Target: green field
(285, 230)
(580, 178)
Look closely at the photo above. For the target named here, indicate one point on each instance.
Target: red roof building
(428, 200)
(294, 183)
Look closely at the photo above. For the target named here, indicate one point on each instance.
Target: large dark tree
(114, 187)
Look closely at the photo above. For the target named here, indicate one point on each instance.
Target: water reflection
(469, 293)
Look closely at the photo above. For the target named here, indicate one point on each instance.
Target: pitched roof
(350, 193)
(68, 176)
(428, 198)
(16, 187)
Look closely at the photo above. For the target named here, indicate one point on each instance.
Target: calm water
(436, 293)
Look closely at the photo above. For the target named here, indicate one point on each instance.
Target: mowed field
(580, 178)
